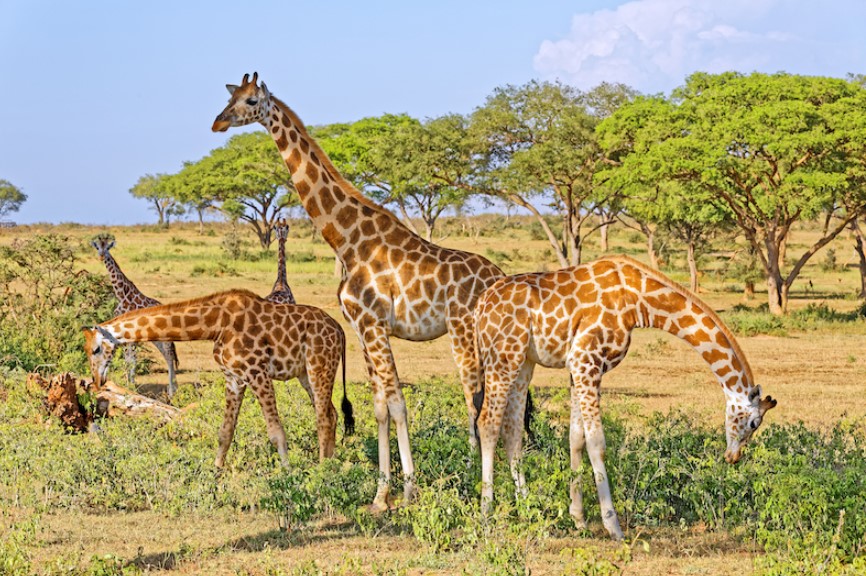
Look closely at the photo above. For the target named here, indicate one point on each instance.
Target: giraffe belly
(419, 331)
(549, 352)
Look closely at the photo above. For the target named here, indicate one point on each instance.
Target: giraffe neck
(124, 289)
(199, 319)
(282, 282)
(338, 210)
(665, 305)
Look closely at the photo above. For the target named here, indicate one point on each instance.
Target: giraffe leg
(234, 398)
(588, 389)
(512, 427)
(388, 403)
(263, 388)
(463, 350)
(129, 356)
(576, 440)
(326, 414)
(168, 352)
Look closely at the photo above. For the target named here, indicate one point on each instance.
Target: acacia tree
(11, 198)
(772, 149)
(539, 149)
(246, 179)
(152, 187)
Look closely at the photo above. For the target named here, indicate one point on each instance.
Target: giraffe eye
(97, 350)
(252, 101)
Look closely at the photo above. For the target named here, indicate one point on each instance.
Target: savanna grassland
(142, 496)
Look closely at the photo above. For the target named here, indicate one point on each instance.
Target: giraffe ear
(231, 88)
(265, 90)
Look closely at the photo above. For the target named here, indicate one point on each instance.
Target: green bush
(45, 298)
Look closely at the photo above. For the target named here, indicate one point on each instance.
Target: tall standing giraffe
(582, 318)
(281, 293)
(395, 283)
(255, 342)
(129, 298)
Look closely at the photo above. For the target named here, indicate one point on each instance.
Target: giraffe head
(743, 416)
(248, 103)
(103, 243)
(99, 344)
(281, 228)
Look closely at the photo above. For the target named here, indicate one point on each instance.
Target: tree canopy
(11, 198)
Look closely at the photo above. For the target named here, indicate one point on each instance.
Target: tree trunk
(650, 245)
(602, 231)
(160, 211)
(200, 221)
(428, 230)
(775, 284)
(859, 242)
(693, 267)
(749, 291)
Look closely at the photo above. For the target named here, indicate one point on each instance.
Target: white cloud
(653, 45)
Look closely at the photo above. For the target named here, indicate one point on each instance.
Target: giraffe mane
(693, 298)
(339, 179)
(181, 304)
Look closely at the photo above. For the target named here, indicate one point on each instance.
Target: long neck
(282, 282)
(341, 213)
(198, 320)
(664, 305)
(122, 286)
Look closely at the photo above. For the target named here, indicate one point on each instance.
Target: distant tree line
(725, 155)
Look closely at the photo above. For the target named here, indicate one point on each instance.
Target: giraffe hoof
(377, 508)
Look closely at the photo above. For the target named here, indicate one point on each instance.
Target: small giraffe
(255, 342)
(395, 284)
(281, 294)
(582, 318)
(129, 297)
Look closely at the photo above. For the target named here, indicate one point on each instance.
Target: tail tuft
(528, 413)
(348, 417)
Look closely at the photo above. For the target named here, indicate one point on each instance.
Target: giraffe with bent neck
(281, 293)
(255, 342)
(129, 298)
(582, 318)
(395, 283)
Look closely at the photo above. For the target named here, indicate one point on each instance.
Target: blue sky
(96, 94)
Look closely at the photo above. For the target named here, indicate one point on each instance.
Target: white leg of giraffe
(499, 378)
(587, 387)
(235, 389)
(512, 427)
(168, 352)
(576, 440)
(129, 356)
(388, 403)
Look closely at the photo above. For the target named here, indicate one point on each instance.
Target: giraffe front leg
(234, 398)
(588, 389)
(129, 356)
(388, 403)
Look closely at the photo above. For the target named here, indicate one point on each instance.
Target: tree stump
(73, 401)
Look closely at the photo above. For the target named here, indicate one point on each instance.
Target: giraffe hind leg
(168, 351)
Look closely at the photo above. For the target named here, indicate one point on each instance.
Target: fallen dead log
(74, 403)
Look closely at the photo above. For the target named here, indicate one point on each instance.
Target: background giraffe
(582, 318)
(281, 293)
(395, 283)
(255, 342)
(129, 298)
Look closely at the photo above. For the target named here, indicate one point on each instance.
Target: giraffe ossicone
(255, 342)
(395, 284)
(129, 297)
(581, 318)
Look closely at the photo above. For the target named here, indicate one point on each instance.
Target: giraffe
(281, 293)
(255, 342)
(395, 284)
(129, 297)
(582, 318)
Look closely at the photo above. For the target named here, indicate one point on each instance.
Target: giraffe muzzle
(220, 125)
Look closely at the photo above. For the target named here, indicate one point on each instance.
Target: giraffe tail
(346, 405)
